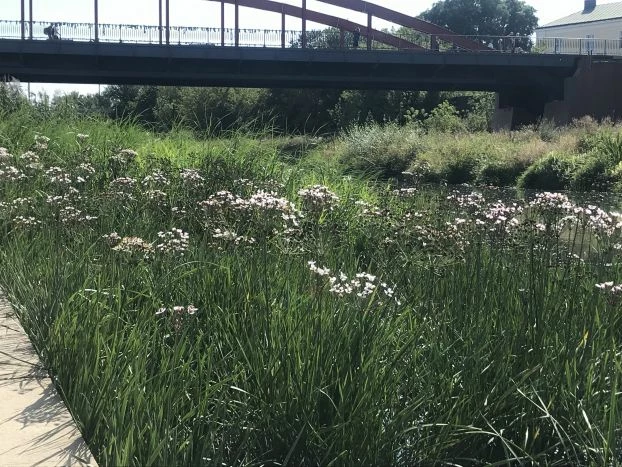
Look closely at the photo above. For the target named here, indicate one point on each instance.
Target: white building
(597, 29)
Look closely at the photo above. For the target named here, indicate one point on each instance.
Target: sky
(207, 14)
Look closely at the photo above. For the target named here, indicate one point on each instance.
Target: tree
(484, 17)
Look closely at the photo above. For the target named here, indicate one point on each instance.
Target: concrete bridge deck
(204, 65)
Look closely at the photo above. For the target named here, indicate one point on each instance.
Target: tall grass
(582, 156)
(482, 337)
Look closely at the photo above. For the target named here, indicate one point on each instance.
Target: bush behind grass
(536, 157)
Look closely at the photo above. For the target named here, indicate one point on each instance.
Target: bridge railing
(330, 38)
(138, 34)
(579, 46)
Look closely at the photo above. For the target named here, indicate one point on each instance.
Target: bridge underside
(109, 63)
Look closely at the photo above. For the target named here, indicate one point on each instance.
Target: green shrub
(501, 173)
(593, 175)
(605, 143)
(547, 131)
(445, 119)
(462, 169)
(384, 150)
(615, 175)
(553, 172)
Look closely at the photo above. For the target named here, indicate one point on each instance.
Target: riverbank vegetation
(256, 300)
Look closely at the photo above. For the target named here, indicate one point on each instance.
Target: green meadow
(250, 299)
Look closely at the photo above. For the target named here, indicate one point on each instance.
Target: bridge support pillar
(518, 107)
(594, 90)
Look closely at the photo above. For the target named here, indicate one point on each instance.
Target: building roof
(600, 13)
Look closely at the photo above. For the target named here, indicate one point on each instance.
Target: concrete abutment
(595, 90)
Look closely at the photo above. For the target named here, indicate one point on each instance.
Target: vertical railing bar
(23, 3)
(30, 19)
(222, 23)
(96, 6)
(282, 29)
(160, 21)
(168, 22)
(304, 24)
(237, 23)
(369, 26)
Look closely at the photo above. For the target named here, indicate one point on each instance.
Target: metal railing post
(168, 22)
(222, 23)
(30, 22)
(23, 19)
(282, 30)
(304, 24)
(369, 21)
(160, 21)
(237, 23)
(96, 6)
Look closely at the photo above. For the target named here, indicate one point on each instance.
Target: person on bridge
(52, 32)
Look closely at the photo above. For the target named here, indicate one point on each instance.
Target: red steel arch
(372, 10)
(322, 18)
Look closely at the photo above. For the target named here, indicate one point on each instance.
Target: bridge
(344, 55)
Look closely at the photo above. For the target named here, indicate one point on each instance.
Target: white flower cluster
(178, 310)
(11, 174)
(26, 222)
(21, 202)
(58, 176)
(156, 179)
(405, 192)
(81, 137)
(610, 287)
(177, 314)
(123, 157)
(362, 285)
(72, 195)
(221, 200)
(134, 245)
(29, 157)
(191, 178)
(5, 155)
(113, 239)
(268, 205)
(123, 184)
(552, 202)
(155, 196)
(602, 223)
(72, 215)
(368, 209)
(498, 215)
(41, 142)
(244, 183)
(318, 198)
(233, 237)
(175, 241)
(471, 202)
(85, 170)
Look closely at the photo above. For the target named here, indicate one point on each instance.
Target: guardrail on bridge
(330, 38)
